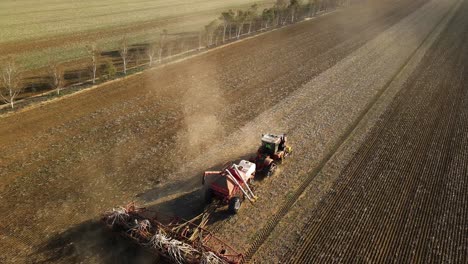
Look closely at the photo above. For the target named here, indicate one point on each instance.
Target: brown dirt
(410, 203)
(66, 162)
(402, 197)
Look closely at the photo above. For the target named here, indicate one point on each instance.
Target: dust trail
(202, 129)
(200, 105)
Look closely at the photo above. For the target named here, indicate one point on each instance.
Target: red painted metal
(205, 242)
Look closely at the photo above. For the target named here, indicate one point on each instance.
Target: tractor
(272, 152)
(230, 185)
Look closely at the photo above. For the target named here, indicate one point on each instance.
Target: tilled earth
(402, 197)
(148, 137)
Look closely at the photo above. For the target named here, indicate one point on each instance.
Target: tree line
(232, 24)
(12, 74)
(229, 26)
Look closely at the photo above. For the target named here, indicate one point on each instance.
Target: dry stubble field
(148, 137)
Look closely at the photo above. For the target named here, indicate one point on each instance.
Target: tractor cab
(272, 151)
(270, 144)
(273, 145)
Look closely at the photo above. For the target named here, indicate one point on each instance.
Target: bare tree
(57, 75)
(10, 82)
(312, 8)
(252, 15)
(281, 6)
(267, 16)
(227, 18)
(232, 19)
(124, 53)
(95, 55)
(210, 31)
(151, 52)
(217, 37)
(293, 6)
(240, 20)
(162, 42)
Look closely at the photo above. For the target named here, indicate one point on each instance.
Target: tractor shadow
(187, 206)
(91, 242)
(174, 187)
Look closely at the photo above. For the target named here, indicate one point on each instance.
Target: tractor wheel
(234, 205)
(271, 169)
(251, 182)
(281, 159)
(209, 196)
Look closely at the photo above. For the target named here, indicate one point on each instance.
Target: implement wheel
(271, 169)
(234, 205)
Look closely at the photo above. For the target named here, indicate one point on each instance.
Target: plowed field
(148, 137)
(403, 197)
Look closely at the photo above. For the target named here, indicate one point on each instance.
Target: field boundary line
(197, 51)
(271, 223)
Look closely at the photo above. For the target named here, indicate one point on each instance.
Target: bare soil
(402, 195)
(148, 137)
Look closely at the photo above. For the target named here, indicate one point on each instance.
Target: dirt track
(64, 163)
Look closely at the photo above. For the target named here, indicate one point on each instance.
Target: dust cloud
(200, 105)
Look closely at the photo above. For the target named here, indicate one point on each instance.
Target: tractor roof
(270, 138)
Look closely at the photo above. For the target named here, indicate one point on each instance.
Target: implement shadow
(188, 206)
(190, 183)
(92, 242)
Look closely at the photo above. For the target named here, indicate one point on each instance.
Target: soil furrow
(418, 139)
